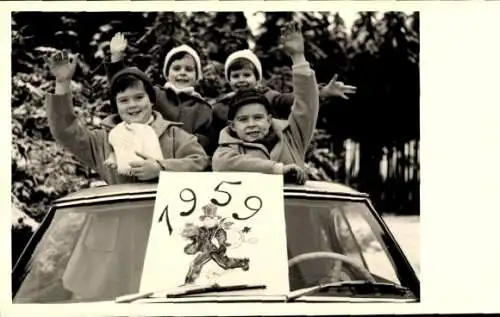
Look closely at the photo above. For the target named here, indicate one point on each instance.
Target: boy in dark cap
(254, 141)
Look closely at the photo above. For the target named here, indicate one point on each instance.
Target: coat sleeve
(219, 122)
(189, 155)
(281, 103)
(304, 113)
(228, 159)
(113, 68)
(203, 130)
(66, 129)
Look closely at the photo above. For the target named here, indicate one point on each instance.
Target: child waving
(254, 141)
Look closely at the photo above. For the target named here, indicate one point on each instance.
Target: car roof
(132, 189)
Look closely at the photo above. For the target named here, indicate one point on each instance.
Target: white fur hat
(246, 54)
(187, 49)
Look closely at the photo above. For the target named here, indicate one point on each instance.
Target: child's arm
(304, 113)
(117, 48)
(64, 125)
(204, 129)
(281, 103)
(219, 122)
(219, 116)
(336, 89)
(189, 154)
(227, 158)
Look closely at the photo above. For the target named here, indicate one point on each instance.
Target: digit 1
(164, 214)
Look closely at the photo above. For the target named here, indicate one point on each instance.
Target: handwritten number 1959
(191, 198)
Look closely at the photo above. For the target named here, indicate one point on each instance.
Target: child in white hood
(243, 70)
(177, 99)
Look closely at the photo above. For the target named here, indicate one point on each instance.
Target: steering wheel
(339, 259)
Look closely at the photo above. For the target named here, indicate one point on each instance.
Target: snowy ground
(406, 230)
(17, 214)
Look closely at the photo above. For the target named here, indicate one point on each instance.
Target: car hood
(276, 299)
(267, 299)
(260, 296)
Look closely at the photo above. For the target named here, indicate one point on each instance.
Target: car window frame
(19, 271)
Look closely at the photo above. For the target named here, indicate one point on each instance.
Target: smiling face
(133, 103)
(251, 122)
(242, 75)
(182, 71)
(242, 79)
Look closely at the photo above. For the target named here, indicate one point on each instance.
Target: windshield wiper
(356, 287)
(190, 290)
(215, 288)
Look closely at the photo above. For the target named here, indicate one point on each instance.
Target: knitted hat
(245, 97)
(243, 54)
(186, 49)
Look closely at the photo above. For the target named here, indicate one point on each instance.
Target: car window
(42, 282)
(77, 256)
(316, 228)
(364, 245)
(345, 235)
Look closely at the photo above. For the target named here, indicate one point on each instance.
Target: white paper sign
(225, 228)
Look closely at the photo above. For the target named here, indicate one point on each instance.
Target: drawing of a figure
(209, 242)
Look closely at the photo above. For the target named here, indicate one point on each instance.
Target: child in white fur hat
(243, 70)
(176, 100)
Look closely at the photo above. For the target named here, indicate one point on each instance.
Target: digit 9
(247, 204)
(192, 199)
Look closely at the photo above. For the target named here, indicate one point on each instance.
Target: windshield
(328, 240)
(89, 253)
(326, 235)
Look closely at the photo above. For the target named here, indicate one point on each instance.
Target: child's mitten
(294, 174)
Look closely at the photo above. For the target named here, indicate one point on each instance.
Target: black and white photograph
(192, 156)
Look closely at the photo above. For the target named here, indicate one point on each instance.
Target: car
(339, 250)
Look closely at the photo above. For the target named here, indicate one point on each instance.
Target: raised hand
(117, 47)
(337, 89)
(118, 43)
(292, 40)
(62, 66)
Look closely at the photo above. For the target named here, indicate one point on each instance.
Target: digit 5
(229, 197)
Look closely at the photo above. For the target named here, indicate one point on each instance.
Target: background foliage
(369, 142)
